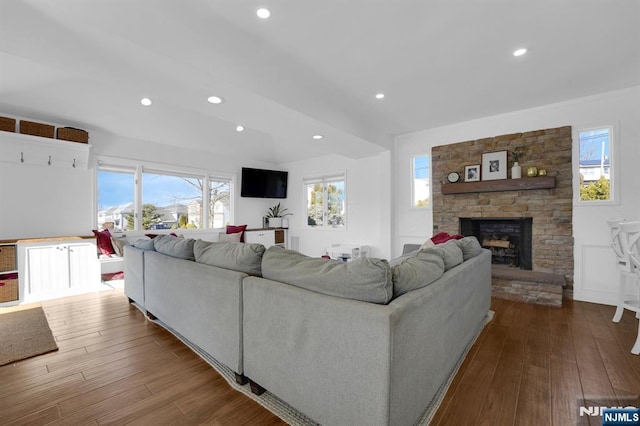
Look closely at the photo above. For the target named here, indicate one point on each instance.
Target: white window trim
(614, 167)
(323, 179)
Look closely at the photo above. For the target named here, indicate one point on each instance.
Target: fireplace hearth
(509, 239)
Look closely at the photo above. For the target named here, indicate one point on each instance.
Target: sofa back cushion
(182, 248)
(415, 270)
(240, 257)
(470, 247)
(450, 252)
(366, 279)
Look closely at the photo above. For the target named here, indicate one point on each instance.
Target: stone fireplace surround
(550, 209)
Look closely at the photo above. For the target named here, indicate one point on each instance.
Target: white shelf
(26, 149)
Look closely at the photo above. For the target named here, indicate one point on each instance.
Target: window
(596, 165)
(325, 198)
(116, 196)
(171, 201)
(420, 187)
(168, 200)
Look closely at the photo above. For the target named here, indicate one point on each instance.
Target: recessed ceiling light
(263, 13)
(145, 101)
(239, 128)
(380, 96)
(519, 52)
(318, 137)
(215, 99)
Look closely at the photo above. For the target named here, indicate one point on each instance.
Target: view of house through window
(169, 200)
(595, 164)
(115, 196)
(326, 207)
(420, 181)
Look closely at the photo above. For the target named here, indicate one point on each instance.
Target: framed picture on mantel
(472, 173)
(494, 165)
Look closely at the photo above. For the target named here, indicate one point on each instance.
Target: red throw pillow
(234, 229)
(103, 239)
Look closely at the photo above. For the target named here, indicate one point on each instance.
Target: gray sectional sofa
(365, 342)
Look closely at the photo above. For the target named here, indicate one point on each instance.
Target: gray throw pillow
(450, 253)
(366, 279)
(182, 248)
(470, 247)
(241, 257)
(415, 270)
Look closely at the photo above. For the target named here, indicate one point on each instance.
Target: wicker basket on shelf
(36, 129)
(7, 124)
(7, 258)
(8, 287)
(73, 135)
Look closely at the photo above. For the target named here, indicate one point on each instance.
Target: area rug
(292, 416)
(24, 334)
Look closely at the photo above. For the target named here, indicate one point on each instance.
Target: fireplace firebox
(509, 239)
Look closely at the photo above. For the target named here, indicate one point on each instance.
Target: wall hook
(74, 163)
(22, 157)
(49, 162)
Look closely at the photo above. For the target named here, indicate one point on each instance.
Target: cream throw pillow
(229, 238)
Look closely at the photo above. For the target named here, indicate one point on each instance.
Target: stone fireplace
(547, 209)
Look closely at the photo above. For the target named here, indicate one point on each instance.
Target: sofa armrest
(134, 274)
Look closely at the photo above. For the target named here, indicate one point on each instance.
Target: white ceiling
(313, 67)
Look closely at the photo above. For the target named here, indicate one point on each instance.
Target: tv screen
(261, 183)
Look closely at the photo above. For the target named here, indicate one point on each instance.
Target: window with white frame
(325, 202)
(420, 184)
(168, 200)
(596, 164)
(116, 188)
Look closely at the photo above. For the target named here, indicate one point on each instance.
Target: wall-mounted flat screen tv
(260, 183)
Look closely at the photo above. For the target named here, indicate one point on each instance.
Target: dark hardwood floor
(531, 365)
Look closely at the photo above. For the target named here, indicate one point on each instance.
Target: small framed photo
(472, 173)
(494, 165)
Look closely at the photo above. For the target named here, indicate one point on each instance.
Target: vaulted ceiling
(311, 68)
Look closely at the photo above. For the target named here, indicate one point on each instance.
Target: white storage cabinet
(266, 236)
(57, 268)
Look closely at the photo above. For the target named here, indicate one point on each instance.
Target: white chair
(630, 232)
(622, 263)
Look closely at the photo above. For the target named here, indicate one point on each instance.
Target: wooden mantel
(525, 183)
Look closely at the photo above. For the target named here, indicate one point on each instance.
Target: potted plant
(275, 215)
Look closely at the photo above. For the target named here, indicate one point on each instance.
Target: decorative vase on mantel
(516, 171)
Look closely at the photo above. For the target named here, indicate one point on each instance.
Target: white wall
(595, 275)
(368, 203)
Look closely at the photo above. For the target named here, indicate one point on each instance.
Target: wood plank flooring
(531, 365)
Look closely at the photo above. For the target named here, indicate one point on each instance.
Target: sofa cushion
(181, 248)
(240, 257)
(450, 252)
(144, 244)
(229, 238)
(415, 270)
(470, 247)
(366, 279)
